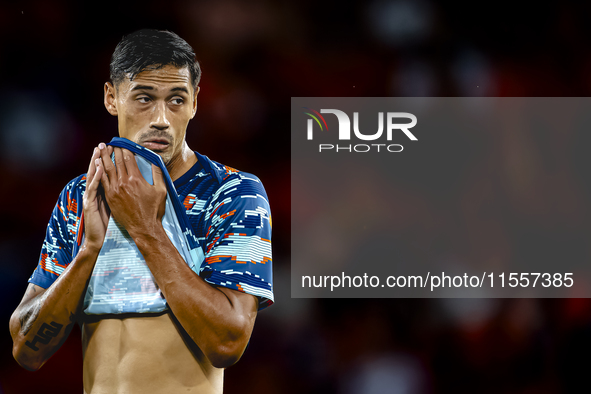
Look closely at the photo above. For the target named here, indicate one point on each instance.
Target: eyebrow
(180, 89)
(147, 87)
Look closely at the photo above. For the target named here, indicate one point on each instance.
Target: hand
(96, 210)
(134, 203)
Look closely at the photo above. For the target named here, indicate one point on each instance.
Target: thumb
(158, 177)
(160, 185)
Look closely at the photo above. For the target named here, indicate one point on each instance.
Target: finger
(130, 163)
(109, 150)
(158, 178)
(121, 170)
(91, 189)
(101, 174)
(160, 185)
(107, 164)
(105, 212)
(92, 166)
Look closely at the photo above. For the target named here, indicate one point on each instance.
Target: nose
(160, 117)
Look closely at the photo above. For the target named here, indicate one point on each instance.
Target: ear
(197, 89)
(110, 99)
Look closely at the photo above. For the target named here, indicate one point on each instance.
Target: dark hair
(149, 49)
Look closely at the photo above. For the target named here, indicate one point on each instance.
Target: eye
(177, 101)
(143, 99)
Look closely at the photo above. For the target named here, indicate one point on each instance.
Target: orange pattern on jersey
(72, 204)
(225, 215)
(189, 201)
(230, 171)
(215, 259)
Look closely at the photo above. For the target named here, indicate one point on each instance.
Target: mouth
(156, 144)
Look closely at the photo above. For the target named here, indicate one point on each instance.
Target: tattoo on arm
(45, 334)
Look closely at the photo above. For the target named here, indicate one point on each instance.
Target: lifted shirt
(229, 213)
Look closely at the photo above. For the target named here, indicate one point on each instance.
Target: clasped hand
(132, 201)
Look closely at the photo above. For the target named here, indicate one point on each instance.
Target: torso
(149, 354)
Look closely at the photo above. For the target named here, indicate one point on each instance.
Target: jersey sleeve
(58, 246)
(238, 238)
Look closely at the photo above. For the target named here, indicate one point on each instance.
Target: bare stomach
(144, 355)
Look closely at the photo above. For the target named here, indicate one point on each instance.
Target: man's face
(154, 109)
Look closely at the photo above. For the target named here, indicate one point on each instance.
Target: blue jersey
(227, 209)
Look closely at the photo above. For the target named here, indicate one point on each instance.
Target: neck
(182, 163)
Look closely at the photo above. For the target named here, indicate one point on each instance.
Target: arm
(219, 320)
(44, 318)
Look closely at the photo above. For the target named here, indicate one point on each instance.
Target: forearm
(38, 327)
(220, 326)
